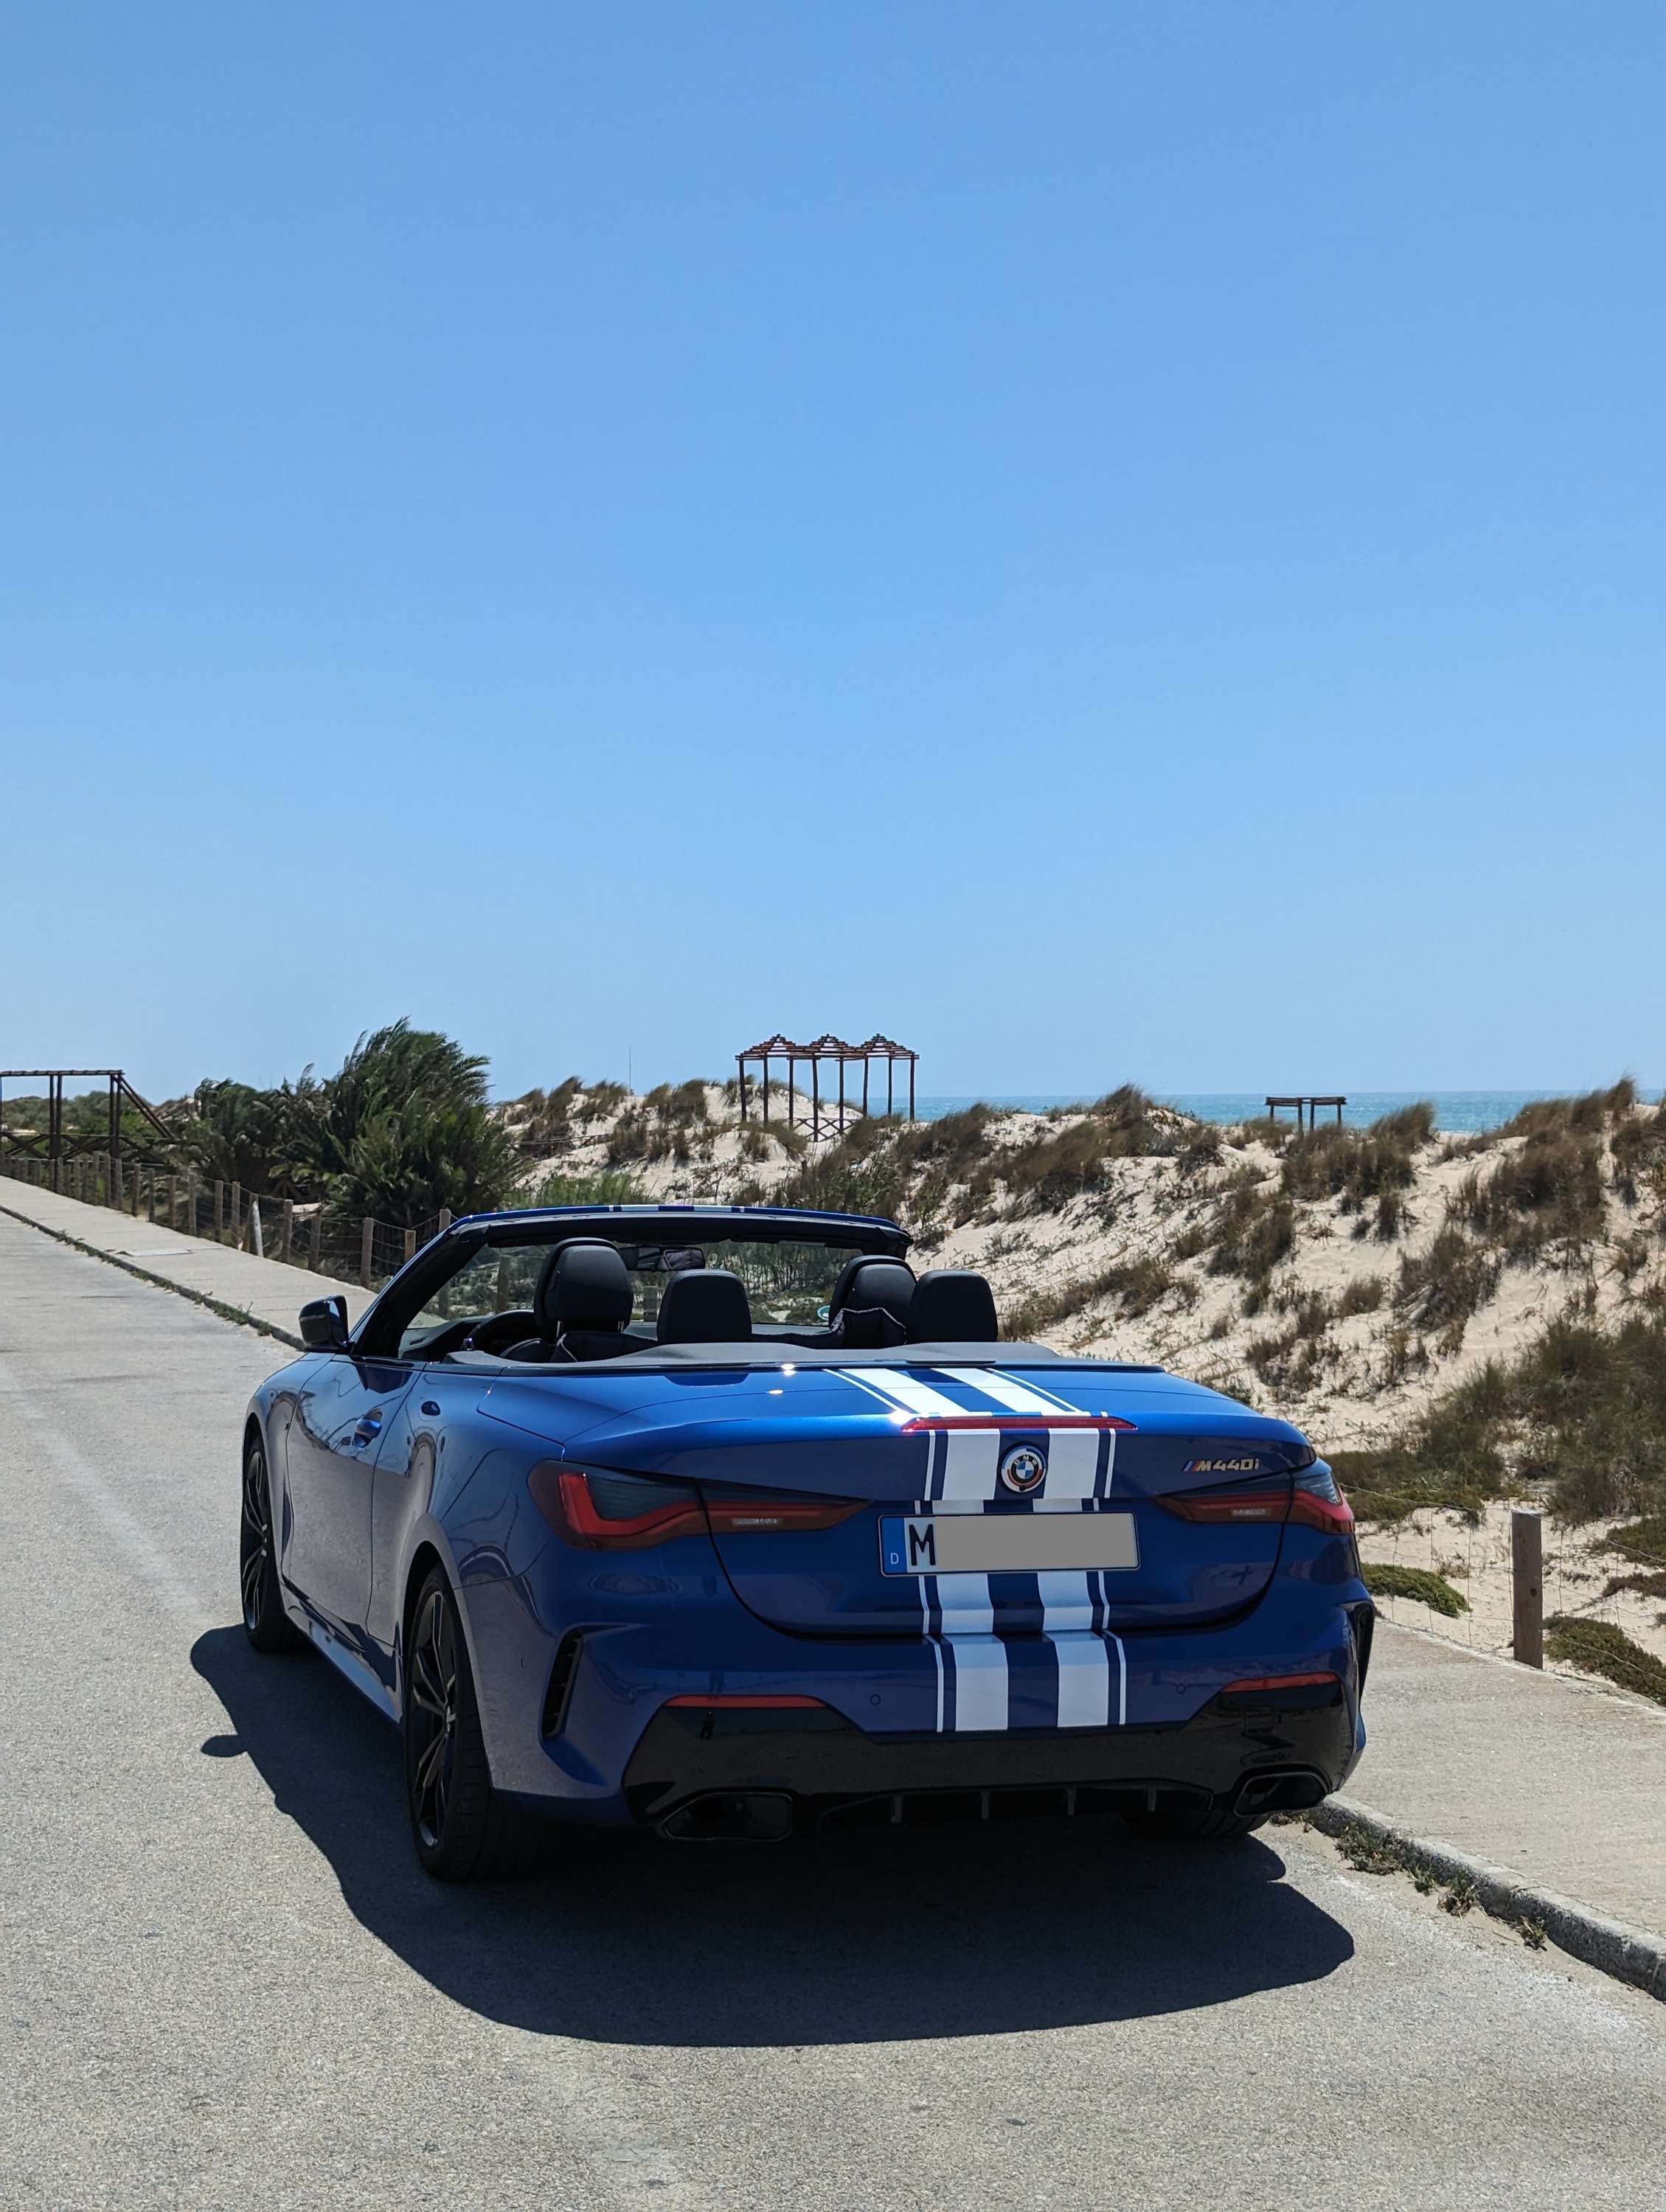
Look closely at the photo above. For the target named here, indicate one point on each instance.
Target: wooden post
(740, 1078)
(314, 1237)
(367, 1252)
(173, 1201)
(1527, 1559)
(191, 1201)
(288, 1233)
(445, 1219)
(237, 1214)
(219, 1213)
(911, 1068)
(257, 1241)
(815, 1095)
(410, 1244)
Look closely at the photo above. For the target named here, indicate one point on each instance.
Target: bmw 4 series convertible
(722, 1523)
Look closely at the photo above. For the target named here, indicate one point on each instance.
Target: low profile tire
(462, 1832)
(1190, 1825)
(266, 1625)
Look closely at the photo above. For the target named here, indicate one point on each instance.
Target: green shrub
(1253, 1229)
(1431, 1589)
(1549, 1192)
(1643, 1540)
(1136, 1284)
(1442, 1287)
(1586, 1116)
(608, 1187)
(1580, 1414)
(1597, 1647)
(1357, 1166)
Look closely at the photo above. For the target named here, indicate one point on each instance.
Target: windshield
(788, 1283)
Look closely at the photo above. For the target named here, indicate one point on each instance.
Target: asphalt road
(223, 1981)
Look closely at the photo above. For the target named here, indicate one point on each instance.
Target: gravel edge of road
(1628, 1955)
(238, 1315)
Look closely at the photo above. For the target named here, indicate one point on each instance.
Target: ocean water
(1456, 1112)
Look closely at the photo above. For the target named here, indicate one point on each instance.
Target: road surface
(225, 1983)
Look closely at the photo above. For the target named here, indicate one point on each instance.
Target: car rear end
(781, 1597)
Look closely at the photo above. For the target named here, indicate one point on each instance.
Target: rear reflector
(727, 1704)
(762, 1516)
(1258, 1685)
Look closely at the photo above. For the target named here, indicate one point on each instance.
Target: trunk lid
(1072, 1535)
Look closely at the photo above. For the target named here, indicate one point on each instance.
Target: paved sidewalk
(1562, 1781)
(263, 1291)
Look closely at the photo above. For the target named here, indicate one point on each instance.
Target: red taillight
(564, 1497)
(745, 1516)
(733, 1704)
(607, 1512)
(1333, 1515)
(1258, 1685)
(1315, 1502)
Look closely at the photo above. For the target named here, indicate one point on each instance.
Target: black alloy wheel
(265, 1621)
(462, 1831)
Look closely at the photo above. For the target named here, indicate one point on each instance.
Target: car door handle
(369, 1427)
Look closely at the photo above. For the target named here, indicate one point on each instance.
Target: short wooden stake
(287, 1234)
(367, 1250)
(1527, 1559)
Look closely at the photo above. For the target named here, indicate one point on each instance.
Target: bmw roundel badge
(1022, 1469)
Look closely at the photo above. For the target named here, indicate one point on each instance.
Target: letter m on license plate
(909, 1548)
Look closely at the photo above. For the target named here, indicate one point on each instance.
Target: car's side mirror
(324, 1324)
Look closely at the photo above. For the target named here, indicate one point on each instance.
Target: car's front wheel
(265, 1621)
(462, 1833)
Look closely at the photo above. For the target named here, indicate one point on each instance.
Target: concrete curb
(239, 1314)
(1629, 1954)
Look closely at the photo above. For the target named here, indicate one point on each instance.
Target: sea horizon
(1457, 1113)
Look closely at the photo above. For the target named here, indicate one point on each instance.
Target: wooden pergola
(822, 1052)
(1307, 1109)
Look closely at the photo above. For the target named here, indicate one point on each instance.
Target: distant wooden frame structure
(51, 1145)
(821, 1052)
(1307, 1105)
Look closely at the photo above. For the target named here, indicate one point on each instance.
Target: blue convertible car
(719, 1520)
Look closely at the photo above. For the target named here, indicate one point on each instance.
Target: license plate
(1008, 1544)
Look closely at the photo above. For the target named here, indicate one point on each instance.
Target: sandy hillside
(1343, 1280)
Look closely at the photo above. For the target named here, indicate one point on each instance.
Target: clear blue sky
(1108, 541)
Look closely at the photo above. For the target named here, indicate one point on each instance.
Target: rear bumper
(817, 1769)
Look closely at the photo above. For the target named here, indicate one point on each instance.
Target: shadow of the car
(873, 1936)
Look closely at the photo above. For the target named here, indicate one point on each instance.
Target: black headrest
(583, 1280)
(867, 1281)
(704, 1305)
(952, 1305)
(870, 1303)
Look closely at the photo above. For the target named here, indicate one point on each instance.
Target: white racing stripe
(1073, 1462)
(1083, 1657)
(1084, 1680)
(1015, 1397)
(904, 1392)
(980, 1683)
(971, 1462)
